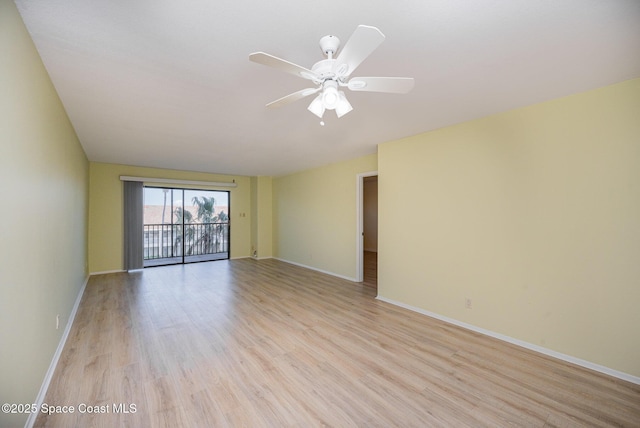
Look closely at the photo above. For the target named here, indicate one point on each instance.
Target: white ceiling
(167, 83)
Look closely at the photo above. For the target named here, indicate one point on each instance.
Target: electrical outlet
(57, 321)
(467, 303)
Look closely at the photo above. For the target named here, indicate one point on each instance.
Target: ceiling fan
(332, 74)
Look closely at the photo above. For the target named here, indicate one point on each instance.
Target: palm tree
(164, 208)
(221, 218)
(206, 209)
(183, 217)
(206, 215)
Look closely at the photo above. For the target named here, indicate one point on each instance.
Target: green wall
(533, 214)
(43, 220)
(106, 211)
(314, 216)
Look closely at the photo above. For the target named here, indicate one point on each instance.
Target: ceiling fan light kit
(316, 107)
(343, 106)
(330, 94)
(331, 74)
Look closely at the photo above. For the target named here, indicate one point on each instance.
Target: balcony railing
(168, 240)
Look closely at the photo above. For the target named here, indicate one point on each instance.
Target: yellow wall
(106, 211)
(253, 182)
(533, 214)
(314, 216)
(264, 217)
(43, 219)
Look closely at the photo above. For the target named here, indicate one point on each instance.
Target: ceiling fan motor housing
(324, 69)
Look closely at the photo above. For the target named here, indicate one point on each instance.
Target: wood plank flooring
(267, 344)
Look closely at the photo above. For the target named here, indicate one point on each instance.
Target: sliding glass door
(185, 226)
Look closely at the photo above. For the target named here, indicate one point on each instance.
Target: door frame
(360, 222)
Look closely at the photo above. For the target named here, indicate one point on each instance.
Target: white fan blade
(362, 42)
(281, 64)
(398, 85)
(293, 97)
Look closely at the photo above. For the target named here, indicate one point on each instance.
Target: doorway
(368, 229)
(185, 226)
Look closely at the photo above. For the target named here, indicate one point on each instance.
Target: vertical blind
(133, 225)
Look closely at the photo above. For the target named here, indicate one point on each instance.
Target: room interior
(507, 180)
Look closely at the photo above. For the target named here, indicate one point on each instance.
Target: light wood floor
(268, 344)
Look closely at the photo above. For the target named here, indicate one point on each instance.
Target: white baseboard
(317, 270)
(521, 343)
(106, 272)
(56, 356)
